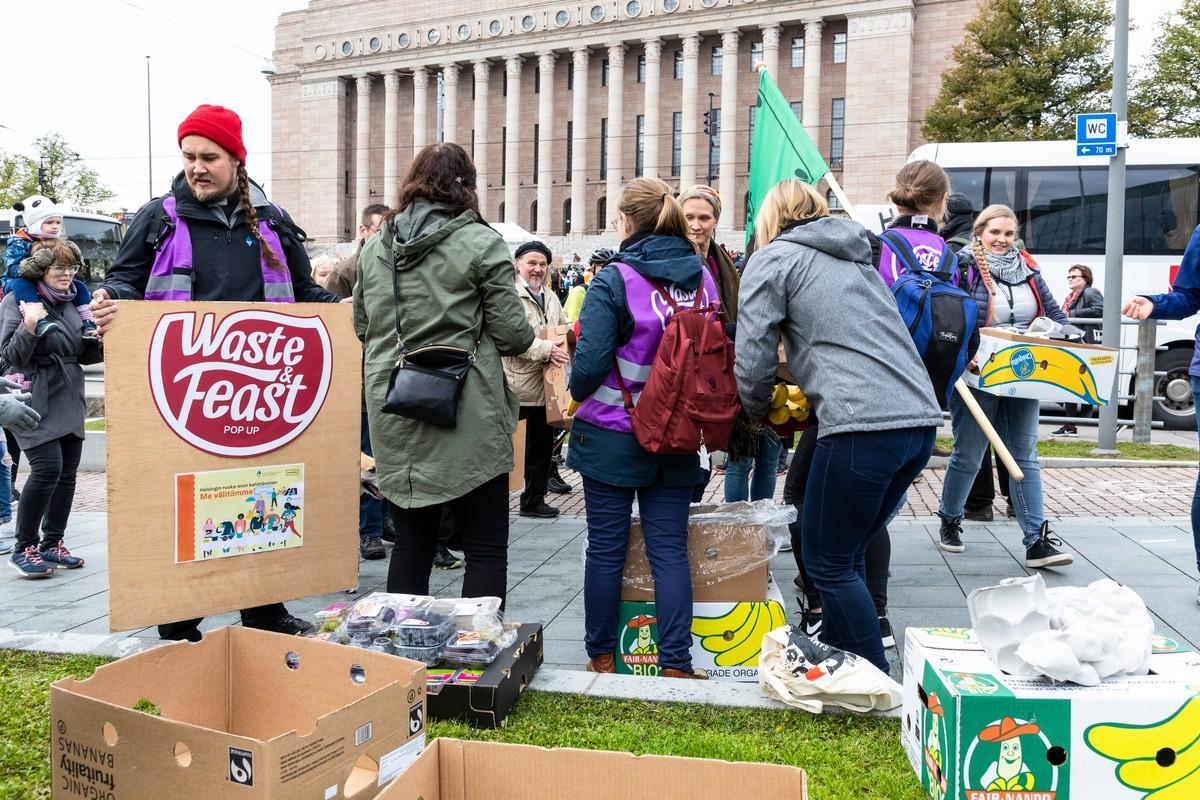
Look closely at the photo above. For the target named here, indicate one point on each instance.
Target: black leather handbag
(428, 381)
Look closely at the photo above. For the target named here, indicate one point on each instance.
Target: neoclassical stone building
(560, 102)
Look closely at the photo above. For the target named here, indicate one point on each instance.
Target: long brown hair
(650, 205)
(441, 173)
(269, 255)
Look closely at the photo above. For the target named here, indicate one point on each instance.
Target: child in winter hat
(52, 251)
(43, 222)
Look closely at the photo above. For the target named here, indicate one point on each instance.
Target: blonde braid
(981, 264)
(268, 254)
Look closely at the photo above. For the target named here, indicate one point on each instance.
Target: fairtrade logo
(1022, 363)
(244, 387)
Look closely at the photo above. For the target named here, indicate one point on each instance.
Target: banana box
(972, 732)
(726, 637)
(1011, 365)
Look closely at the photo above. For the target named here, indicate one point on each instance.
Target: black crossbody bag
(427, 382)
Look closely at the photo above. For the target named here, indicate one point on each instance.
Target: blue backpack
(940, 316)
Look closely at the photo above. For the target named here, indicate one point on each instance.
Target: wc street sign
(1096, 134)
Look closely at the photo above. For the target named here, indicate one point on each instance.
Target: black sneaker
(444, 559)
(288, 625)
(1045, 553)
(558, 485)
(45, 326)
(1066, 430)
(60, 556)
(541, 511)
(810, 624)
(982, 515)
(29, 563)
(885, 630)
(951, 535)
(371, 548)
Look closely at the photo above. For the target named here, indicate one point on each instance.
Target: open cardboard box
(554, 378)
(451, 769)
(241, 714)
(1012, 365)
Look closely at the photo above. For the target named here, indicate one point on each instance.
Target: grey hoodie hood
(841, 238)
(420, 227)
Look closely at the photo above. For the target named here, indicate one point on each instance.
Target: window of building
(750, 138)
(570, 146)
(504, 83)
(500, 213)
(717, 58)
(533, 226)
(839, 48)
(678, 65)
(797, 52)
(837, 132)
(641, 69)
(537, 79)
(472, 90)
(602, 214)
(503, 155)
(566, 228)
(472, 144)
(676, 143)
(756, 54)
(604, 72)
(797, 109)
(714, 144)
(832, 199)
(639, 161)
(537, 129)
(603, 148)
(570, 76)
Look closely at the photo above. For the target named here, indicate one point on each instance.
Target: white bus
(1061, 201)
(98, 236)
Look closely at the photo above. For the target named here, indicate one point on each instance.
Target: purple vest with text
(926, 245)
(605, 408)
(171, 274)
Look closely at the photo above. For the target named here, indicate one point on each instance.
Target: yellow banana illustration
(739, 644)
(1162, 758)
(717, 626)
(730, 639)
(1043, 364)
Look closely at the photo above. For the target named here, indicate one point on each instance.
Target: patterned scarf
(1009, 268)
(54, 295)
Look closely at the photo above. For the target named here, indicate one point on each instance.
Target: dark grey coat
(52, 365)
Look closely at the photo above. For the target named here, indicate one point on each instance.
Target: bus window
(1001, 187)
(1065, 210)
(985, 186)
(98, 241)
(1161, 209)
(971, 182)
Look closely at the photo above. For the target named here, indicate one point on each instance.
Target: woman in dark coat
(1084, 300)
(51, 363)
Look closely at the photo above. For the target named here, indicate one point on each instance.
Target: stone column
(812, 79)
(483, 137)
(362, 145)
(616, 125)
(770, 39)
(391, 132)
(689, 139)
(653, 114)
(730, 117)
(450, 103)
(420, 109)
(512, 154)
(545, 175)
(580, 128)
(315, 183)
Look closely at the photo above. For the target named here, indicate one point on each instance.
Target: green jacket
(456, 282)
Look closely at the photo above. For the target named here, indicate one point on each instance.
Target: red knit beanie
(219, 124)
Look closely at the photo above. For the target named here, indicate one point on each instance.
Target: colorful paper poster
(237, 512)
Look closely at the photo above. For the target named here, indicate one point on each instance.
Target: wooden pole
(964, 392)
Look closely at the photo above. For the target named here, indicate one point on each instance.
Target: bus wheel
(1177, 409)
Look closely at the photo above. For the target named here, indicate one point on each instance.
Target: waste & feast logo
(243, 387)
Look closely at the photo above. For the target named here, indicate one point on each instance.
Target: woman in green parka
(455, 284)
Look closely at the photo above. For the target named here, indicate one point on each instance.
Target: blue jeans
(664, 517)
(1016, 420)
(1196, 495)
(370, 510)
(766, 468)
(5, 482)
(854, 484)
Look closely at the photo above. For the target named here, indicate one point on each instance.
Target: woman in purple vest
(620, 327)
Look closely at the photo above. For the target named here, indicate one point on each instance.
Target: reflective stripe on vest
(171, 275)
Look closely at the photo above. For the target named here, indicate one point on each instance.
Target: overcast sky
(86, 79)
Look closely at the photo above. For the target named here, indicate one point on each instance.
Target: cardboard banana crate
(972, 732)
(1011, 365)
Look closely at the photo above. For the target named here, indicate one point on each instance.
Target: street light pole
(1114, 239)
(149, 135)
(711, 131)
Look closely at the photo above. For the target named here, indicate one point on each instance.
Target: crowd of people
(431, 273)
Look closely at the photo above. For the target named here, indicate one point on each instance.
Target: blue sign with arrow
(1096, 134)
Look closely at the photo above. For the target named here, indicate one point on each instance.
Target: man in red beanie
(214, 236)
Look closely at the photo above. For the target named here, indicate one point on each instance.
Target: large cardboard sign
(232, 430)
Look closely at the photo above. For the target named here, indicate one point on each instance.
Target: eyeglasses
(64, 270)
(1073, 277)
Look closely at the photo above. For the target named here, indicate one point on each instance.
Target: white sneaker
(1198, 595)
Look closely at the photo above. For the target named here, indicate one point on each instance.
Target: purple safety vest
(171, 274)
(605, 408)
(928, 247)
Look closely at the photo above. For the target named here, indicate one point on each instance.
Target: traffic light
(707, 123)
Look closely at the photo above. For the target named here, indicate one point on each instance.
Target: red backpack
(690, 398)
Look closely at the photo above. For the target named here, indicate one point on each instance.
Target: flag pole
(841, 194)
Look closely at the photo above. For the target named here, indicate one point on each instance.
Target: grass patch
(1055, 448)
(97, 424)
(846, 757)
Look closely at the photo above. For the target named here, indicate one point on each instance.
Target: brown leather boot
(671, 672)
(604, 663)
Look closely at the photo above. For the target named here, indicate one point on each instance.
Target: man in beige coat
(524, 374)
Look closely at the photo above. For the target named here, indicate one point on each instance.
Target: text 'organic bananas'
(1162, 758)
(736, 638)
(1044, 364)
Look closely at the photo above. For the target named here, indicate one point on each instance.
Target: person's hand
(559, 356)
(15, 413)
(34, 313)
(1137, 308)
(346, 300)
(103, 309)
(9, 386)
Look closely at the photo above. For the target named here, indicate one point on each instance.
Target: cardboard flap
(997, 333)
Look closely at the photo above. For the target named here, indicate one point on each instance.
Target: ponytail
(649, 205)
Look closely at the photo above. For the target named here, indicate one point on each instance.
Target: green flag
(780, 149)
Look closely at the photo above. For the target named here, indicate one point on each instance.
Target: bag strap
(901, 249)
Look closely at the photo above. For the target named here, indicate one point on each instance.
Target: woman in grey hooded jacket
(812, 283)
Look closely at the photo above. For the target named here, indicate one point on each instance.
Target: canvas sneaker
(810, 624)
(1066, 430)
(950, 536)
(60, 556)
(1045, 553)
(29, 563)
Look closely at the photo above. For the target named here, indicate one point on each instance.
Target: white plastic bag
(809, 675)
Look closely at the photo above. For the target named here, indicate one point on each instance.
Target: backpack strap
(165, 223)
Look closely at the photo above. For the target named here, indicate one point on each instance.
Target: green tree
(1025, 69)
(18, 179)
(64, 175)
(1168, 94)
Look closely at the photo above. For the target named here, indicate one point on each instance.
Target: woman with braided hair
(1010, 291)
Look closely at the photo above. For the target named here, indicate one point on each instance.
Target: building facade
(559, 103)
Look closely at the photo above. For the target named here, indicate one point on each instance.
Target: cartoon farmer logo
(971, 683)
(1008, 773)
(934, 759)
(642, 649)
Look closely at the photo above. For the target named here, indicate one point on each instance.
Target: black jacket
(226, 267)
